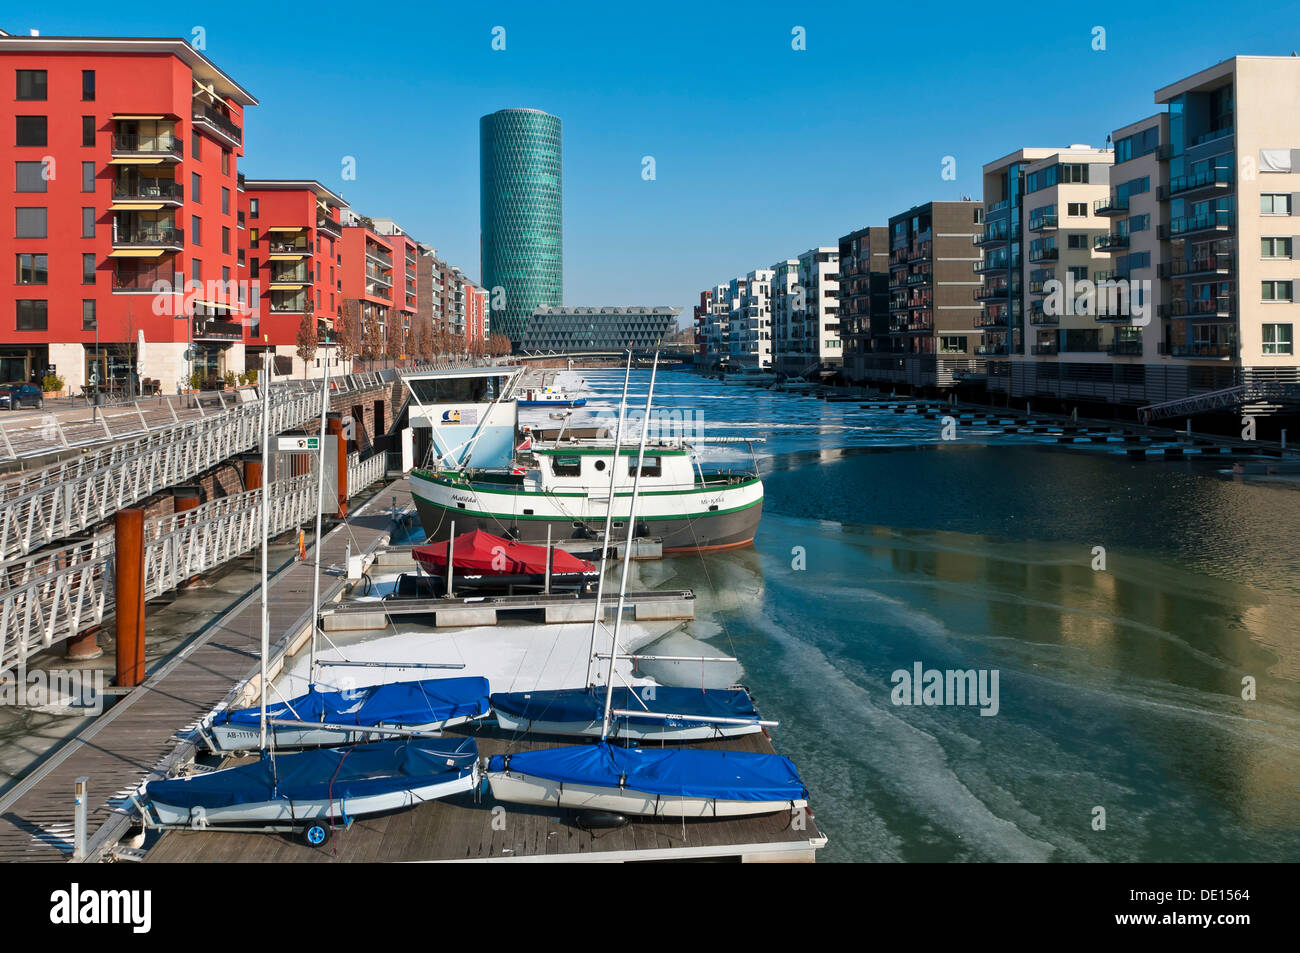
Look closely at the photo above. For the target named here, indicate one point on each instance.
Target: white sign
(297, 444)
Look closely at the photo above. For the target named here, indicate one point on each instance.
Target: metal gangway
(57, 594)
(1252, 391)
(56, 502)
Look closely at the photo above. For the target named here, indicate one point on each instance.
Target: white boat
(754, 376)
(670, 713)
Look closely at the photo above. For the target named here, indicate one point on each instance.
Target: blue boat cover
(324, 773)
(586, 705)
(399, 703)
(687, 772)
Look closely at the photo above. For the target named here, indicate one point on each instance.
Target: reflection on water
(1119, 688)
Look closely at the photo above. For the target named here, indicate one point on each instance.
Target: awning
(135, 160)
(283, 286)
(134, 116)
(285, 228)
(136, 253)
(287, 256)
(126, 205)
(213, 304)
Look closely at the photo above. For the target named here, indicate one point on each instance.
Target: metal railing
(57, 501)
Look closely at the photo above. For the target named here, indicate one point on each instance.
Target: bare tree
(347, 336)
(307, 340)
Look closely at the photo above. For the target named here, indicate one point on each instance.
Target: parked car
(14, 396)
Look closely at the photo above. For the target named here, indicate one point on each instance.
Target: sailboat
(321, 783)
(663, 782)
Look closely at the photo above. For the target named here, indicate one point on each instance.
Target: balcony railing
(152, 235)
(329, 225)
(211, 329)
(1220, 219)
(1042, 223)
(294, 277)
(1216, 352)
(288, 248)
(135, 144)
(1044, 349)
(1218, 306)
(129, 276)
(1210, 264)
(149, 190)
(1219, 179)
(1110, 241)
(216, 118)
(1125, 348)
(1114, 205)
(1044, 254)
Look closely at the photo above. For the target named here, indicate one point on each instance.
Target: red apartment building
(368, 273)
(124, 184)
(405, 287)
(476, 330)
(292, 254)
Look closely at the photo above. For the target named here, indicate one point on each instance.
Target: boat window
(650, 468)
(566, 466)
(600, 464)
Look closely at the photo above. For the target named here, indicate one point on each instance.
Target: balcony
(149, 191)
(133, 275)
(1211, 180)
(1209, 265)
(1200, 350)
(1044, 349)
(1216, 307)
(1219, 220)
(295, 249)
(1120, 348)
(136, 146)
(918, 278)
(1110, 242)
(991, 292)
(998, 349)
(1043, 223)
(329, 226)
(214, 121)
(295, 304)
(1038, 316)
(148, 235)
(291, 276)
(1044, 254)
(1114, 205)
(212, 329)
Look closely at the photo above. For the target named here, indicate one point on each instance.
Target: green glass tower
(521, 216)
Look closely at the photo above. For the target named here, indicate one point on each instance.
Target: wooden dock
(143, 734)
(476, 827)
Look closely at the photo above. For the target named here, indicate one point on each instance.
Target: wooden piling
(128, 546)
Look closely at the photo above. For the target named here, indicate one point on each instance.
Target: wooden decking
(150, 728)
(478, 828)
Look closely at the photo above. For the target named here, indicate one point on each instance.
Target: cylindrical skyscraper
(521, 216)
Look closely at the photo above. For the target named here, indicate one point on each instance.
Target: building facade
(864, 302)
(599, 329)
(521, 215)
(123, 228)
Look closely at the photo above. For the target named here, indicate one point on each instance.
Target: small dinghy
(660, 782)
(324, 783)
(425, 705)
(671, 714)
(481, 560)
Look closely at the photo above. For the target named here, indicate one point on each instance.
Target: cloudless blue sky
(761, 151)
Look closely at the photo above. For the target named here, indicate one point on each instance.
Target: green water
(1119, 688)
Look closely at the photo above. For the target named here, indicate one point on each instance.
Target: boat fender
(600, 820)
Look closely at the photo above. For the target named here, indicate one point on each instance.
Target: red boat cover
(482, 553)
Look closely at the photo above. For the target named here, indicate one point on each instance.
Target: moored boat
(322, 783)
(482, 560)
(430, 704)
(672, 713)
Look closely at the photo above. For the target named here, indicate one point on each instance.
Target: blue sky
(761, 151)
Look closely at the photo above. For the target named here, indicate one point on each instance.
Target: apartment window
(87, 223)
(194, 145)
(1079, 272)
(1275, 290)
(87, 269)
(33, 315)
(225, 200)
(32, 84)
(252, 238)
(1277, 339)
(253, 205)
(196, 187)
(254, 268)
(1077, 240)
(952, 345)
(225, 240)
(1077, 209)
(87, 176)
(87, 85)
(196, 269)
(30, 130)
(1275, 248)
(225, 162)
(88, 318)
(30, 223)
(30, 177)
(33, 269)
(1139, 223)
(1275, 203)
(225, 277)
(196, 230)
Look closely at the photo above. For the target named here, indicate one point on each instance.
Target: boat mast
(609, 518)
(320, 505)
(627, 553)
(266, 531)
